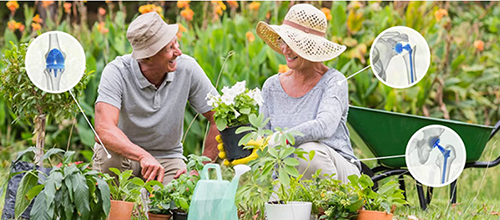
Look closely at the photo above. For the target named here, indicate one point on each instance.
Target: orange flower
(12, 25)
(21, 27)
(187, 14)
(46, 4)
(181, 29)
(254, 6)
(327, 13)
(102, 11)
(102, 28)
(149, 8)
(67, 7)
(283, 68)
(440, 13)
(218, 10)
(220, 4)
(479, 45)
(183, 4)
(36, 26)
(37, 19)
(12, 5)
(250, 36)
(232, 3)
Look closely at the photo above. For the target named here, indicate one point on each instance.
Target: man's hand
(183, 171)
(151, 168)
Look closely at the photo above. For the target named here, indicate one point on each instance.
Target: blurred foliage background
(462, 82)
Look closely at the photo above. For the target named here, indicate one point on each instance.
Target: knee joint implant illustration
(432, 141)
(389, 46)
(55, 63)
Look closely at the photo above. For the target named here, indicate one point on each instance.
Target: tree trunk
(40, 138)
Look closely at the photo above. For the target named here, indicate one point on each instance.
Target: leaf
(34, 191)
(29, 180)
(81, 191)
(245, 111)
(51, 152)
(53, 183)
(40, 209)
(221, 123)
(292, 171)
(244, 129)
(68, 156)
(22, 153)
(312, 153)
(287, 152)
(283, 178)
(291, 162)
(254, 120)
(273, 152)
(105, 195)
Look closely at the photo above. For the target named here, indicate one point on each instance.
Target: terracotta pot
(230, 140)
(120, 210)
(373, 215)
(152, 216)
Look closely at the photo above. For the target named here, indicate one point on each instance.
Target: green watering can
(214, 199)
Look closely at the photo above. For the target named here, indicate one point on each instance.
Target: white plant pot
(290, 211)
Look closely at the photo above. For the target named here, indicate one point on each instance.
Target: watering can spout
(227, 206)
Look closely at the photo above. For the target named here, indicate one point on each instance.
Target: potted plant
(176, 196)
(274, 175)
(378, 204)
(125, 192)
(161, 204)
(70, 191)
(232, 110)
(331, 198)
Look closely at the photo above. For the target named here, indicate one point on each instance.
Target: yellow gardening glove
(258, 144)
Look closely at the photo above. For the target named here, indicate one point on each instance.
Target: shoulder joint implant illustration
(55, 63)
(390, 45)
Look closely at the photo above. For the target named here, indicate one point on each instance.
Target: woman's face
(293, 61)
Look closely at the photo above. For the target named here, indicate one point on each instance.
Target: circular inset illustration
(435, 155)
(55, 62)
(400, 57)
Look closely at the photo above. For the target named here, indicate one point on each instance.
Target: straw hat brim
(308, 46)
(167, 34)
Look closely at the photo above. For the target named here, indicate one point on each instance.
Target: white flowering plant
(235, 105)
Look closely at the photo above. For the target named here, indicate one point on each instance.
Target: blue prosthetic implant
(448, 156)
(410, 70)
(54, 59)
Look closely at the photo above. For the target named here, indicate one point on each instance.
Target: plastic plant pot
(290, 211)
(180, 215)
(230, 140)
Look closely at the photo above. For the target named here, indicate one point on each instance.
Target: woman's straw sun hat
(303, 30)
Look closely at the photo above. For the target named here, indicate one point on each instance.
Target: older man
(139, 112)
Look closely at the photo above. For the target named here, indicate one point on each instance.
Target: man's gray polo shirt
(153, 117)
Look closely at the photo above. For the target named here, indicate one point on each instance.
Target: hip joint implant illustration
(432, 141)
(54, 60)
(390, 45)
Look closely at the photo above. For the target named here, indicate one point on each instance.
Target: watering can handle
(204, 172)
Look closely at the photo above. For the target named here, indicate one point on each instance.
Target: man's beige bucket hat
(148, 34)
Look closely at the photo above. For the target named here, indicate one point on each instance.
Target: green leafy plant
(386, 196)
(178, 193)
(71, 191)
(125, 188)
(235, 105)
(279, 160)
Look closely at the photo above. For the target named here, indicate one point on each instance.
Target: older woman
(310, 97)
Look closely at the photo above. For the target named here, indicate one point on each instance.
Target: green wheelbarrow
(386, 134)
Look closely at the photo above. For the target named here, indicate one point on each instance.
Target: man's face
(168, 55)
